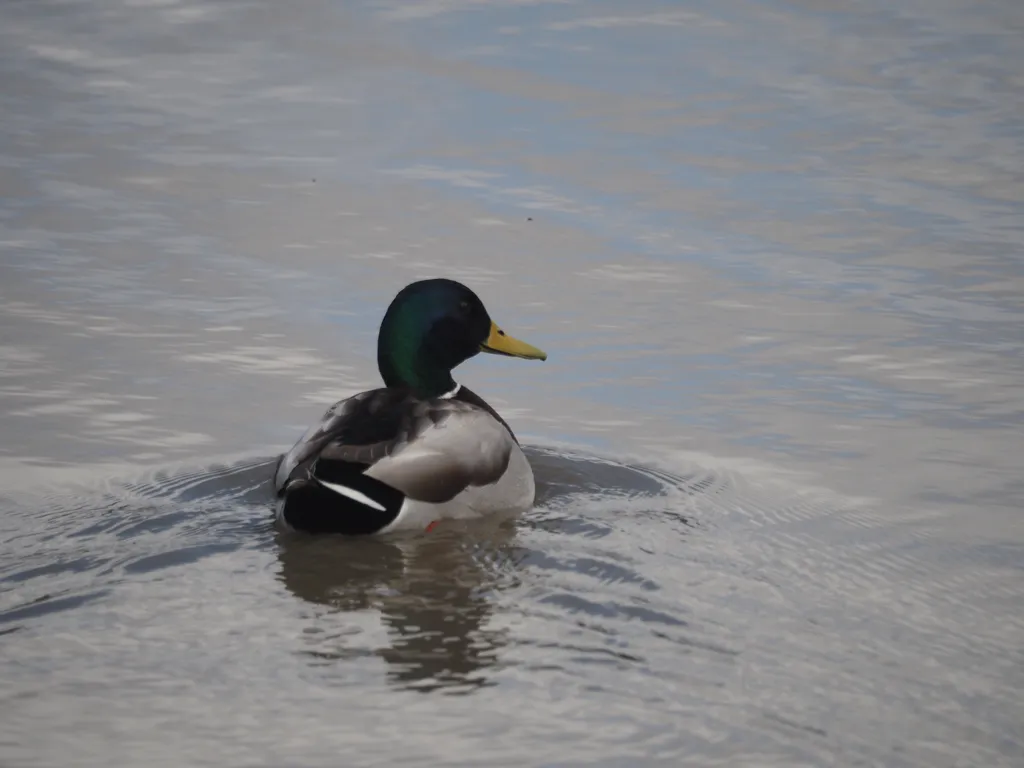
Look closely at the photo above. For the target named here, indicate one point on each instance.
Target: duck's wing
(446, 447)
(428, 450)
(361, 421)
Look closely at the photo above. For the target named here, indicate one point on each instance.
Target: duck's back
(369, 419)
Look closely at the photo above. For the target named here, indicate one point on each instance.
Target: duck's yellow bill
(500, 343)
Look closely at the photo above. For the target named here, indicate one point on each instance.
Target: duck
(422, 448)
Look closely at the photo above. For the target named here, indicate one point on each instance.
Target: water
(774, 250)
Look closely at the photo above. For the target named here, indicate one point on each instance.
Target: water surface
(774, 251)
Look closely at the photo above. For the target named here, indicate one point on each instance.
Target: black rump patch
(311, 506)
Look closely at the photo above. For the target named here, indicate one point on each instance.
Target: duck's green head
(431, 327)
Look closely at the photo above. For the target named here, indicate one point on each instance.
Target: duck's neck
(405, 365)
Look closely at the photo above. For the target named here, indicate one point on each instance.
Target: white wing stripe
(353, 494)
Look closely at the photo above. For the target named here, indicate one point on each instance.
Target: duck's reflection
(434, 594)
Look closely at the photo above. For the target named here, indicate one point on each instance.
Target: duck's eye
(464, 307)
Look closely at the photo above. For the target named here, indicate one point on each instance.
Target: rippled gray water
(775, 251)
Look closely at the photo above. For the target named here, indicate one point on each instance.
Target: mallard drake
(422, 447)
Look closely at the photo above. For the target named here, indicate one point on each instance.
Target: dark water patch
(561, 472)
(154, 520)
(581, 494)
(230, 500)
(246, 481)
(608, 571)
(584, 651)
(688, 644)
(554, 520)
(175, 558)
(575, 604)
(110, 518)
(604, 570)
(77, 565)
(47, 605)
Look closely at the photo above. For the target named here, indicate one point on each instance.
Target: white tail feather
(355, 495)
